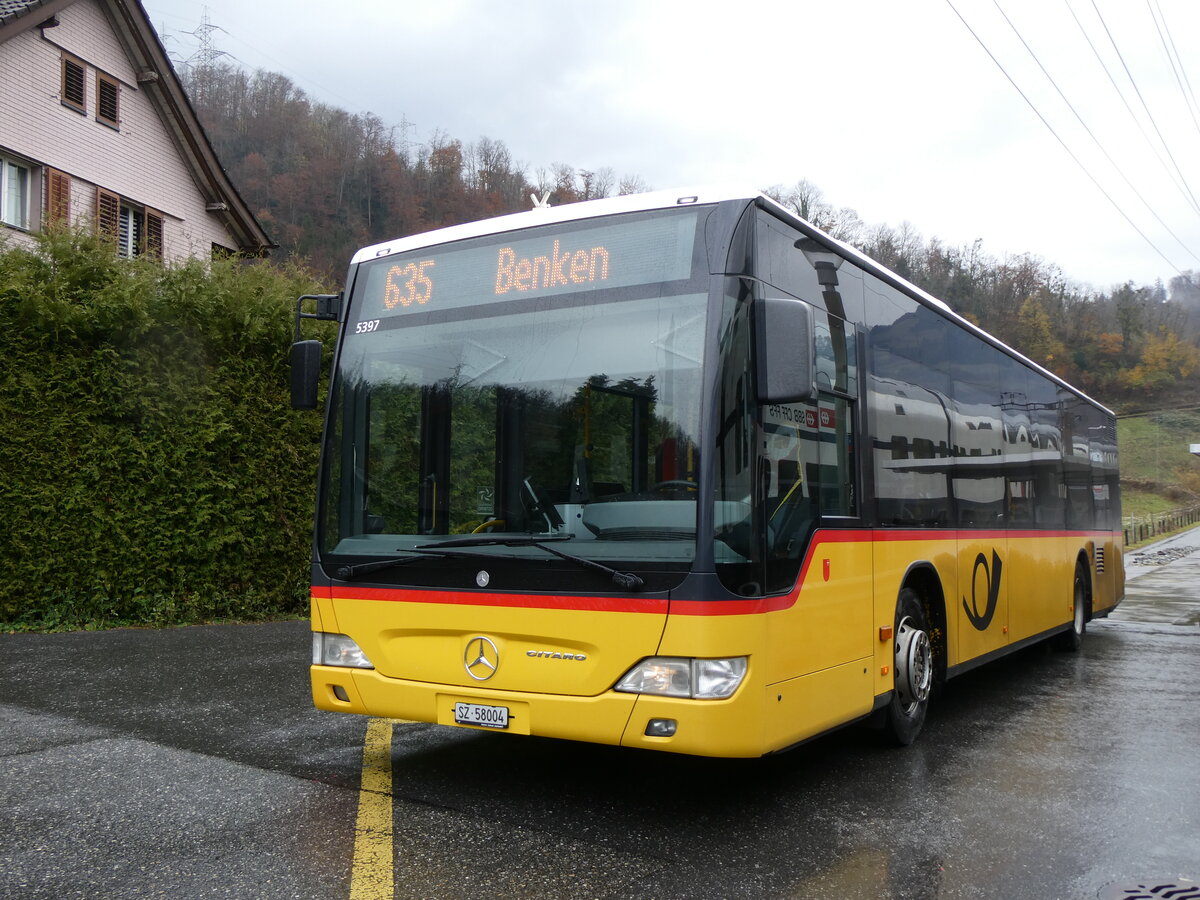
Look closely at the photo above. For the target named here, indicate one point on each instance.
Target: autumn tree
(324, 181)
(1035, 333)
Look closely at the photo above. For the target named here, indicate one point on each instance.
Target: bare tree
(594, 185)
(845, 224)
(804, 198)
(632, 184)
(564, 183)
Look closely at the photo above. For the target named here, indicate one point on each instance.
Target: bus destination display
(619, 253)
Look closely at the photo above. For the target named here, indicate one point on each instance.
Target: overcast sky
(891, 107)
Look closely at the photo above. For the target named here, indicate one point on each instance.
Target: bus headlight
(338, 650)
(673, 676)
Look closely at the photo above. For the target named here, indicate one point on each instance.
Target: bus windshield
(517, 395)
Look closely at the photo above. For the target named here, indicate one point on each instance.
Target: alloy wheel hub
(914, 663)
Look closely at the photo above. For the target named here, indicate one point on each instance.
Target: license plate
(477, 714)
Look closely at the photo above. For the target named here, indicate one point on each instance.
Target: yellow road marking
(373, 877)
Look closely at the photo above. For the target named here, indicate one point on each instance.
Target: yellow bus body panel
(820, 656)
(423, 637)
(1041, 590)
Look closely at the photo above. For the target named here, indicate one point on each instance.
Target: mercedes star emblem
(481, 658)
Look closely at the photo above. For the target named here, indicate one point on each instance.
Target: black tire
(1071, 640)
(913, 654)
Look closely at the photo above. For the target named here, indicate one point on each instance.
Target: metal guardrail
(1143, 528)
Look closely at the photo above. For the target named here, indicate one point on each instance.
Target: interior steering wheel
(674, 483)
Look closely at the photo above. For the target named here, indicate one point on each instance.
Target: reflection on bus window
(800, 468)
(526, 423)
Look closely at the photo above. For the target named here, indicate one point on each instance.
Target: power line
(281, 67)
(1063, 143)
(1092, 135)
(1189, 99)
(1174, 179)
(1145, 106)
(1187, 80)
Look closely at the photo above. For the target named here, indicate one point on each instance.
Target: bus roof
(587, 209)
(672, 199)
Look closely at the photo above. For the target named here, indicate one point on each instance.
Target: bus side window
(808, 454)
(837, 378)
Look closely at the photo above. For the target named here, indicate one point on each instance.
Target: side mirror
(306, 355)
(306, 373)
(786, 356)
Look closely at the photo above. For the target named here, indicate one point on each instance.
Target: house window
(131, 231)
(135, 230)
(72, 89)
(14, 193)
(108, 96)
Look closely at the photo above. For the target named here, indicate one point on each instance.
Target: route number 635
(408, 284)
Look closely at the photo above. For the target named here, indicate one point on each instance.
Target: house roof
(157, 77)
(11, 10)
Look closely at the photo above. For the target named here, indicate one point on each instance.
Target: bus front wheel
(913, 670)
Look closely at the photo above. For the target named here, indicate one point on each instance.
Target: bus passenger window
(837, 376)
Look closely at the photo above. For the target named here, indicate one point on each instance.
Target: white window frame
(132, 225)
(16, 212)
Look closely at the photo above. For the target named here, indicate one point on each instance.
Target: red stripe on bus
(979, 534)
(760, 605)
(625, 603)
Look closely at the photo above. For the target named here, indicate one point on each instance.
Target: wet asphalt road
(189, 763)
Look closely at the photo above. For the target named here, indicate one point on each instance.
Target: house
(95, 129)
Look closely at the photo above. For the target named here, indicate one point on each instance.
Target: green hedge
(153, 471)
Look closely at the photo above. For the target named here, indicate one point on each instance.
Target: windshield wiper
(497, 540)
(428, 552)
(624, 580)
(348, 572)
(443, 549)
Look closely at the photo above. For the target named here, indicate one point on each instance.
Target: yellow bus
(679, 471)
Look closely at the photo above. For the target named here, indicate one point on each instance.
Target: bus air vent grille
(1099, 560)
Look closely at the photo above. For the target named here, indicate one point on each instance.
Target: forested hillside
(324, 182)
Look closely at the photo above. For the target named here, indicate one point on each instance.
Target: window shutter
(108, 213)
(154, 233)
(108, 94)
(58, 197)
(73, 84)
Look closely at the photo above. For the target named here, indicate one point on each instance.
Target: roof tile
(14, 9)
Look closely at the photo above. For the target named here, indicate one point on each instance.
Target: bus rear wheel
(905, 714)
(1072, 639)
